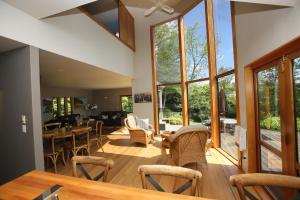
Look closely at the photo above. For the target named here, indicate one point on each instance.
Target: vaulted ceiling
(45, 8)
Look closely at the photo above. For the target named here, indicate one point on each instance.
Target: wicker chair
(260, 179)
(138, 135)
(188, 145)
(191, 175)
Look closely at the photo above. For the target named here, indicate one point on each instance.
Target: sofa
(112, 118)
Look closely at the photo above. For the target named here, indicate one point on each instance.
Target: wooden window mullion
(212, 73)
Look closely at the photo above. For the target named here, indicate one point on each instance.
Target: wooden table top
(63, 132)
(34, 183)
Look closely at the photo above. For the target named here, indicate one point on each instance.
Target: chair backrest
(192, 138)
(191, 175)
(99, 125)
(130, 122)
(261, 179)
(51, 126)
(49, 139)
(91, 123)
(81, 131)
(78, 161)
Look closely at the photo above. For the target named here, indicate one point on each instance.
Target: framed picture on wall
(47, 105)
(143, 98)
(80, 102)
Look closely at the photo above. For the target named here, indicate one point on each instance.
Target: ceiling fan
(159, 4)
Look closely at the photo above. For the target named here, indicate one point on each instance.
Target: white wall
(74, 36)
(258, 33)
(109, 99)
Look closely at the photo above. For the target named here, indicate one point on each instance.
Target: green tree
(166, 46)
(127, 104)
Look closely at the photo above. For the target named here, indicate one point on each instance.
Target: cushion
(104, 116)
(131, 121)
(142, 123)
(149, 133)
(185, 129)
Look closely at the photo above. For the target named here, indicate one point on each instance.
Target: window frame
(213, 76)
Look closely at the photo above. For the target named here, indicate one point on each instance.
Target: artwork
(80, 102)
(47, 105)
(143, 98)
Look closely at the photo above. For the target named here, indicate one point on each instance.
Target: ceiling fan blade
(167, 9)
(150, 11)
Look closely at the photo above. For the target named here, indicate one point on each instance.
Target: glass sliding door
(227, 114)
(296, 80)
(269, 119)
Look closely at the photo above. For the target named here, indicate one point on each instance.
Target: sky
(222, 26)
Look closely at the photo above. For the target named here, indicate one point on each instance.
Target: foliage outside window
(126, 103)
(62, 106)
(170, 85)
(167, 53)
(296, 72)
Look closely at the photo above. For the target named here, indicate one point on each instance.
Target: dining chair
(241, 181)
(193, 177)
(79, 161)
(51, 126)
(53, 151)
(81, 140)
(98, 136)
(92, 123)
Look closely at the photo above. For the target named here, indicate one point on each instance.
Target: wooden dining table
(32, 184)
(62, 133)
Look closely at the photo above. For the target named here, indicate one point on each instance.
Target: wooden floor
(127, 157)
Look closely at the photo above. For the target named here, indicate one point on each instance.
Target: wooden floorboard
(127, 157)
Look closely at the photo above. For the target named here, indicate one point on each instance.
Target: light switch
(24, 128)
(23, 119)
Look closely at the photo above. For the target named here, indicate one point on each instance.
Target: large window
(168, 78)
(62, 106)
(225, 76)
(190, 89)
(197, 69)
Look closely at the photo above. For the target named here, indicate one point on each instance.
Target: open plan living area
(150, 99)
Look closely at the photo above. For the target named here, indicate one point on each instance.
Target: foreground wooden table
(34, 183)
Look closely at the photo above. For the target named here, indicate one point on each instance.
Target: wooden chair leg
(63, 158)
(100, 144)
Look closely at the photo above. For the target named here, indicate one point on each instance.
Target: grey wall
(67, 92)
(19, 95)
(109, 100)
(259, 30)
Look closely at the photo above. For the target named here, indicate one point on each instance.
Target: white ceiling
(62, 72)
(7, 44)
(45, 8)
(271, 2)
